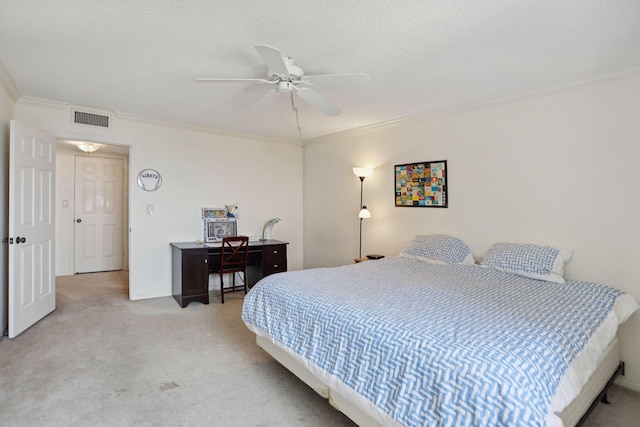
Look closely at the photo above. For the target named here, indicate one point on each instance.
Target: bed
(430, 339)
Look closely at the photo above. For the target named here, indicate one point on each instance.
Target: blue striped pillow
(528, 260)
(438, 249)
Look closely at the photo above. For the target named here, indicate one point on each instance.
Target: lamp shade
(362, 172)
(364, 213)
(266, 229)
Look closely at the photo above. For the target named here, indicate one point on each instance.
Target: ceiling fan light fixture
(285, 86)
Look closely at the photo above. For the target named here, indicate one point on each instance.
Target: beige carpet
(101, 360)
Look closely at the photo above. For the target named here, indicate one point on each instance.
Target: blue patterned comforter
(434, 345)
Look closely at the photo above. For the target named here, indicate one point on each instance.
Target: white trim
(41, 102)
(149, 120)
(627, 383)
(195, 127)
(382, 126)
(364, 130)
(8, 85)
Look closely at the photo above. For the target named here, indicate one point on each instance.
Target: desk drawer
(274, 259)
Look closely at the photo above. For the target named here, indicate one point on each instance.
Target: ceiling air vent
(90, 119)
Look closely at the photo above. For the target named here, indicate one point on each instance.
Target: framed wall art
(422, 184)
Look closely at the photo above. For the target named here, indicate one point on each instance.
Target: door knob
(20, 240)
(78, 220)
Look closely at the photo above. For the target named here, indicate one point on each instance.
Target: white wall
(559, 169)
(199, 169)
(6, 114)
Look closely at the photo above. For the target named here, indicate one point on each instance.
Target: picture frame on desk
(215, 229)
(214, 213)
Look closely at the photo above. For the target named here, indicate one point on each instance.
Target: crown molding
(382, 126)
(41, 102)
(8, 85)
(199, 128)
(58, 105)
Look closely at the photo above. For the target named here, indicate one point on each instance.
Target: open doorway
(92, 205)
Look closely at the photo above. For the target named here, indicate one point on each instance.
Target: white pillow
(438, 249)
(528, 260)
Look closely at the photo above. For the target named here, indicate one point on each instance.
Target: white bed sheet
(586, 362)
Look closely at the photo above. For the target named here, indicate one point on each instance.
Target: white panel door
(32, 286)
(98, 214)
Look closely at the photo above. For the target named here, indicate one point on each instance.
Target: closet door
(98, 214)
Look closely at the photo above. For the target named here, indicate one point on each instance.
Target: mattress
(455, 344)
(365, 414)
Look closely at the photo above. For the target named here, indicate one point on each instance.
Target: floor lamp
(362, 173)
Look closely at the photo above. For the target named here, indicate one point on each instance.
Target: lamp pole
(361, 190)
(362, 173)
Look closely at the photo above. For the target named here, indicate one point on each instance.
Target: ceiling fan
(286, 77)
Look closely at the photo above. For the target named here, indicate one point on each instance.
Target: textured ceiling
(142, 57)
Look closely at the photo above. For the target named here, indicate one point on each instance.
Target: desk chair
(233, 259)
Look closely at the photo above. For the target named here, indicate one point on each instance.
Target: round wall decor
(149, 179)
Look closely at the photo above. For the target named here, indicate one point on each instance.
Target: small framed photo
(422, 184)
(214, 213)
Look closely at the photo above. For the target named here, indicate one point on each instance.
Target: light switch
(150, 209)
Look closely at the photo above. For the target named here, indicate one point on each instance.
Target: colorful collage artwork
(421, 184)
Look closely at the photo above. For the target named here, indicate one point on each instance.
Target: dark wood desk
(190, 266)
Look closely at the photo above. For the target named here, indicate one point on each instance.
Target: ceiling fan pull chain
(293, 105)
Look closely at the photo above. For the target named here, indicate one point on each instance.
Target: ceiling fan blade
(342, 78)
(265, 98)
(207, 80)
(273, 58)
(318, 101)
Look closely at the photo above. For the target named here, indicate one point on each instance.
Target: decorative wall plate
(149, 179)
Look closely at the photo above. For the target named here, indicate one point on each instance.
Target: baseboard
(626, 383)
(138, 297)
